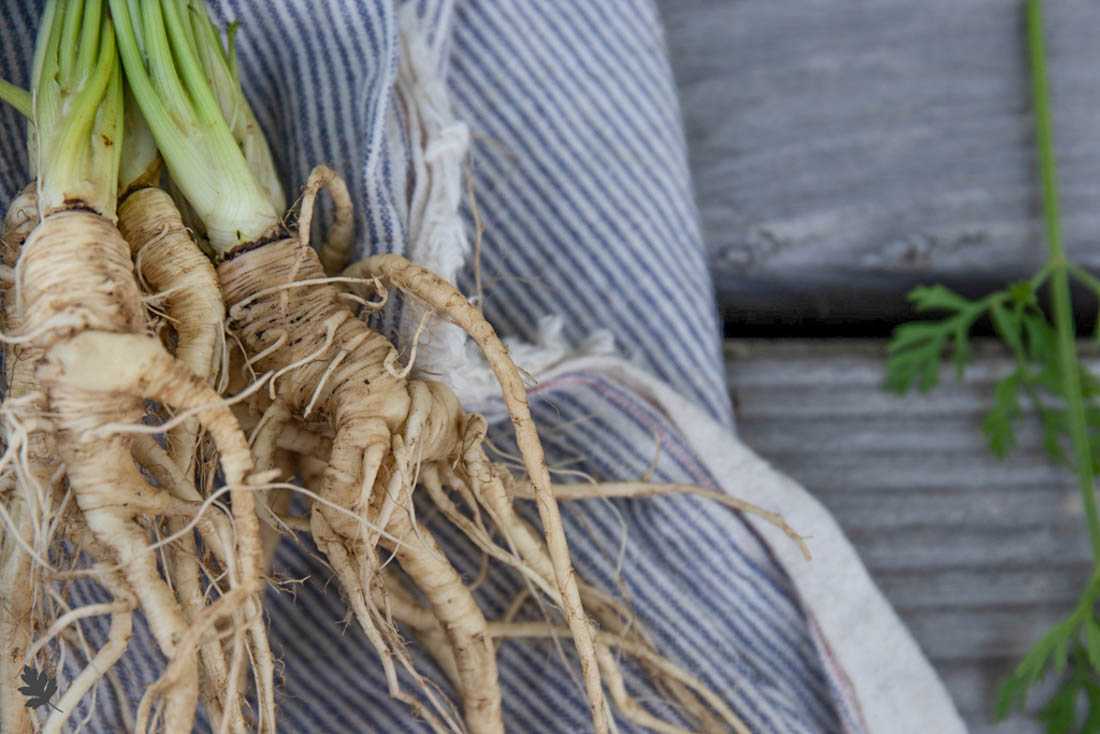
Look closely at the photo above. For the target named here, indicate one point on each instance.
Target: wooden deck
(844, 150)
(977, 555)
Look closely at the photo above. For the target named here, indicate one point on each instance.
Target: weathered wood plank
(845, 150)
(978, 555)
(973, 684)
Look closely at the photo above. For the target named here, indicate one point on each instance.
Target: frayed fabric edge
(889, 683)
(437, 238)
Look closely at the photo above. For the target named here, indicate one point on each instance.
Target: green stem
(18, 98)
(169, 82)
(220, 67)
(1059, 281)
(1040, 277)
(1086, 278)
(77, 108)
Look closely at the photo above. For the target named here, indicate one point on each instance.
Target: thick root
(83, 304)
(483, 483)
(78, 373)
(381, 431)
(445, 299)
(338, 371)
(96, 290)
(461, 619)
(173, 266)
(292, 323)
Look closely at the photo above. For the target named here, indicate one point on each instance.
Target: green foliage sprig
(1048, 374)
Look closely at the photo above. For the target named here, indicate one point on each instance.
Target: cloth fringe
(437, 235)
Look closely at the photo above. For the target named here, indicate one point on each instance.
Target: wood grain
(845, 150)
(977, 555)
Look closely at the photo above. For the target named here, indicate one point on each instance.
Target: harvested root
(336, 369)
(31, 476)
(176, 272)
(326, 360)
(90, 365)
(97, 373)
(172, 266)
(445, 300)
(378, 433)
(293, 324)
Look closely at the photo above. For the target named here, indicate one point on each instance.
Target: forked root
(278, 296)
(448, 302)
(172, 266)
(420, 557)
(80, 371)
(98, 370)
(384, 640)
(483, 483)
(175, 271)
(382, 433)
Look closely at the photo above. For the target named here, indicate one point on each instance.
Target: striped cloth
(579, 168)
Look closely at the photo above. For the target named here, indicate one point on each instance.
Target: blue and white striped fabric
(581, 179)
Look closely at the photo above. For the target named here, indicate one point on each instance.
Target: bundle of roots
(367, 436)
(87, 483)
(135, 364)
(323, 398)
